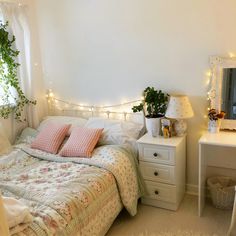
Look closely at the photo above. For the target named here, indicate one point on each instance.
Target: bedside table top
(159, 140)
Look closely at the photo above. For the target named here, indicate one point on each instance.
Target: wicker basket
(222, 191)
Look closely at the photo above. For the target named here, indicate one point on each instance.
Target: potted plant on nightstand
(153, 106)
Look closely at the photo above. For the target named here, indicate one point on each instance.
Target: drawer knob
(155, 154)
(156, 192)
(156, 173)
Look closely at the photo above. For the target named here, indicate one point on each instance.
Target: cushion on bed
(74, 121)
(27, 136)
(81, 142)
(51, 137)
(115, 131)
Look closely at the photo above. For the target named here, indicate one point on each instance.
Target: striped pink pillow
(81, 142)
(51, 137)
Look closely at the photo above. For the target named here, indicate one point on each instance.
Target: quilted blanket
(62, 192)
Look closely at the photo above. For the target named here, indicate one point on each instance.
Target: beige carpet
(152, 221)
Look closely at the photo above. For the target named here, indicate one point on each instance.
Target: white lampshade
(179, 107)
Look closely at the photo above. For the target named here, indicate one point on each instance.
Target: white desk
(221, 139)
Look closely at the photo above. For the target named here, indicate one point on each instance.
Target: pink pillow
(81, 142)
(51, 137)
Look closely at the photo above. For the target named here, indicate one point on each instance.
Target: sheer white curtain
(4, 229)
(19, 22)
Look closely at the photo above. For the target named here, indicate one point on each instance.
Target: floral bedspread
(62, 192)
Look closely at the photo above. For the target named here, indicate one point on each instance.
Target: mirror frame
(217, 64)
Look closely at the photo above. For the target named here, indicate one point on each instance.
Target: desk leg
(202, 180)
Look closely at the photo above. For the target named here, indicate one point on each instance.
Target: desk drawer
(157, 172)
(158, 154)
(161, 192)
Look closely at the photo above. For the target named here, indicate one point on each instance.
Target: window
(5, 89)
(12, 98)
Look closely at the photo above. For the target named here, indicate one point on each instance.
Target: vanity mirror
(223, 88)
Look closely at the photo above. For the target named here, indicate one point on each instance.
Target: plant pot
(214, 126)
(153, 126)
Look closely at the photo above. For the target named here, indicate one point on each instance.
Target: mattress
(71, 196)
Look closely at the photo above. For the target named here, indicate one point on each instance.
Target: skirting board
(192, 189)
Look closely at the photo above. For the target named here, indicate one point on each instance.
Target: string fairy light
(51, 95)
(106, 109)
(212, 94)
(231, 55)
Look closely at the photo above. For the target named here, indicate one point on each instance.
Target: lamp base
(180, 127)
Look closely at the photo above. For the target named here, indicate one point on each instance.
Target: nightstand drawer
(156, 172)
(161, 192)
(154, 153)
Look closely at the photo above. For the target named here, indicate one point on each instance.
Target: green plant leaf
(154, 104)
(8, 77)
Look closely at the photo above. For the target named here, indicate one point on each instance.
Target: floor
(151, 220)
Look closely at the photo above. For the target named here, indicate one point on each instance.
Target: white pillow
(27, 135)
(5, 145)
(115, 131)
(74, 121)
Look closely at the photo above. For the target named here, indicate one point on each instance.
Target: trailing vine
(11, 101)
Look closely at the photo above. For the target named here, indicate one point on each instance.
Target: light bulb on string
(51, 95)
(19, 3)
(52, 99)
(209, 74)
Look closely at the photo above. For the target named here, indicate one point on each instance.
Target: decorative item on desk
(215, 120)
(179, 108)
(153, 106)
(167, 128)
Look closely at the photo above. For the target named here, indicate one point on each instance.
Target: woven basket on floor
(222, 191)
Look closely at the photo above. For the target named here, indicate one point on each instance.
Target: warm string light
(18, 3)
(106, 109)
(211, 92)
(50, 95)
(21, 3)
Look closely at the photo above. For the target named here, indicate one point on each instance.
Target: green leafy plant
(8, 77)
(154, 104)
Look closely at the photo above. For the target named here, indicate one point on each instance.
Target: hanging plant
(13, 99)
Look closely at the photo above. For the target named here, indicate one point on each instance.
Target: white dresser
(162, 164)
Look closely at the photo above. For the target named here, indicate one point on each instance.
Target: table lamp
(179, 108)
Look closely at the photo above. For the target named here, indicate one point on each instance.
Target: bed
(71, 196)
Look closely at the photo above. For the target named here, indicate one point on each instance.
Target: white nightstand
(162, 164)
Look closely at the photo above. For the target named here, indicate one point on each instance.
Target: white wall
(103, 51)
